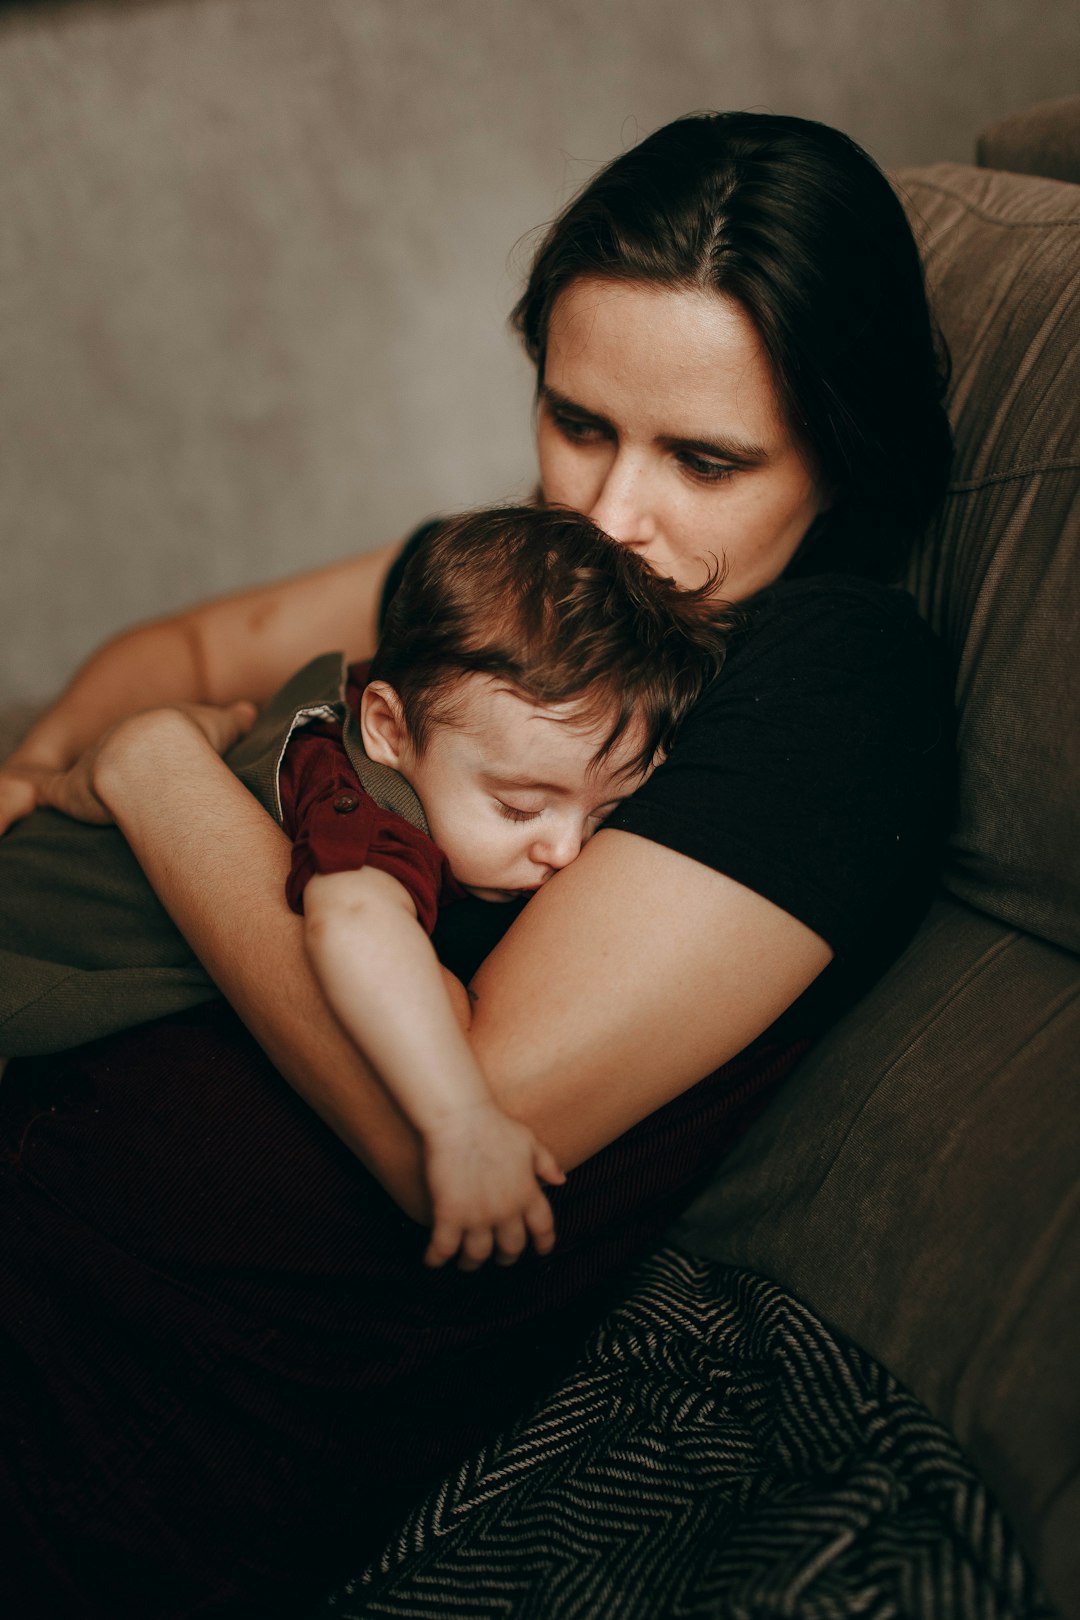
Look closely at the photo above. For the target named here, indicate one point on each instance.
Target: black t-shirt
(817, 770)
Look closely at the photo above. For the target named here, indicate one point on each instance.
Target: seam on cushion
(992, 219)
(1015, 474)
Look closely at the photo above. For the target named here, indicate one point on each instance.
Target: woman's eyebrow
(740, 450)
(730, 448)
(562, 402)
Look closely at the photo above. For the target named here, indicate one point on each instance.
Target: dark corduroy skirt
(223, 1367)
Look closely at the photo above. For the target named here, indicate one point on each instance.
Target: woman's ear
(382, 725)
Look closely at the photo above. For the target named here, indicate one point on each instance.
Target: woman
(735, 369)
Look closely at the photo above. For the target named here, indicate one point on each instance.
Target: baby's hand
(483, 1173)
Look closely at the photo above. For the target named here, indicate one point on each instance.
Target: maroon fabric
(336, 827)
(224, 1367)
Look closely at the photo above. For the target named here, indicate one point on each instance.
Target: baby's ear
(382, 724)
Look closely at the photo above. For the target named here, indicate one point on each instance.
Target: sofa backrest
(999, 574)
(1042, 139)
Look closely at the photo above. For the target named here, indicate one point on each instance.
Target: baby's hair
(543, 600)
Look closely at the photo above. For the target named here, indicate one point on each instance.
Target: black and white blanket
(717, 1452)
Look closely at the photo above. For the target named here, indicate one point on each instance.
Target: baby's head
(531, 673)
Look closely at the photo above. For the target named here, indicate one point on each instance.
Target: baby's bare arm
(380, 975)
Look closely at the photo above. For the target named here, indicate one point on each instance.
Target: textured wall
(257, 254)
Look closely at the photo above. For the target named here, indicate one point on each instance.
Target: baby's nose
(559, 847)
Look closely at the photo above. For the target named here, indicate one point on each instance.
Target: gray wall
(256, 255)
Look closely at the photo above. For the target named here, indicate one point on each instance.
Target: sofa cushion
(916, 1184)
(999, 575)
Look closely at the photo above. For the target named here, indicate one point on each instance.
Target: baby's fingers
(541, 1224)
(477, 1248)
(510, 1241)
(444, 1243)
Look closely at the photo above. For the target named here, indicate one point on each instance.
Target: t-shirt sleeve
(336, 827)
(818, 770)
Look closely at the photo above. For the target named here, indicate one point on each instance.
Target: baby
(530, 675)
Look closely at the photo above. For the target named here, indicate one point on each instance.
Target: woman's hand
(247, 643)
(22, 788)
(77, 791)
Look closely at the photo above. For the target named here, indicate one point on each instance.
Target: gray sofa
(918, 1181)
(917, 1185)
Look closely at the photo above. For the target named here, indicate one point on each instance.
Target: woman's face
(658, 417)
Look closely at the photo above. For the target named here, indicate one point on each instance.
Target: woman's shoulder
(830, 647)
(869, 615)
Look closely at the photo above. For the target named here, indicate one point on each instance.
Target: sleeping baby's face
(510, 788)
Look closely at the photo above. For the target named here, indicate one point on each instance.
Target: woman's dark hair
(797, 223)
(542, 600)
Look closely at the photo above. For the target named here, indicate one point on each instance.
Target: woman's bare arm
(238, 646)
(219, 863)
(632, 974)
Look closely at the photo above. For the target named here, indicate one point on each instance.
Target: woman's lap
(222, 1355)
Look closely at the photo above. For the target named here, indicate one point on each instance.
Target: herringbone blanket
(717, 1452)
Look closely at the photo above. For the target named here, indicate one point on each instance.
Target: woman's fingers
(18, 795)
(221, 724)
(73, 791)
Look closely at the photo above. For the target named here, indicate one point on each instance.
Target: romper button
(346, 802)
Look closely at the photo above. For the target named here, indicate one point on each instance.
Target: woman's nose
(623, 508)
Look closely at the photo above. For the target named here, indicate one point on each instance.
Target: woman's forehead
(684, 363)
